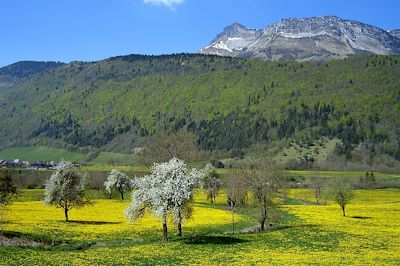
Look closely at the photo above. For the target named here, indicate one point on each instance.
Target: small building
(10, 164)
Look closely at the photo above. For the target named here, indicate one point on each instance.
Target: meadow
(43, 153)
(308, 234)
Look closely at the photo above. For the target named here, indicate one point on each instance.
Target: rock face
(314, 38)
(395, 33)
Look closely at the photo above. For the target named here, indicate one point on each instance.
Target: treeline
(236, 131)
(72, 132)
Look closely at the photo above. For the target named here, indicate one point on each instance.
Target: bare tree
(236, 192)
(342, 193)
(162, 148)
(211, 182)
(317, 186)
(265, 180)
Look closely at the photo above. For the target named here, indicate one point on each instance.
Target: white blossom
(169, 186)
(65, 188)
(118, 180)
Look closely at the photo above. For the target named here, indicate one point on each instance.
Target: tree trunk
(164, 227)
(179, 222)
(263, 217)
(122, 195)
(165, 231)
(262, 225)
(344, 212)
(66, 214)
(179, 229)
(233, 218)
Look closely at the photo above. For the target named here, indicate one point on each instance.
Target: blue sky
(67, 30)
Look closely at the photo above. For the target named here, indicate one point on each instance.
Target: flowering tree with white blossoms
(167, 190)
(65, 188)
(118, 180)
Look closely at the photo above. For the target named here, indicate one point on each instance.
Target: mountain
(312, 38)
(25, 69)
(20, 71)
(395, 33)
(227, 104)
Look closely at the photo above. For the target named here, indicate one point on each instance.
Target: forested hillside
(228, 104)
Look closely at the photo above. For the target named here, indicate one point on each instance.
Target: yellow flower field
(104, 220)
(310, 235)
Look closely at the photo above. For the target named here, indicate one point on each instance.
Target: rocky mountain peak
(311, 38)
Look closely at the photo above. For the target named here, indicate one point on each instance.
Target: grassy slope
(319, 151)
(309, 234)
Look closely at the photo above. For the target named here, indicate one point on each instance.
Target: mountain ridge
(313, 38)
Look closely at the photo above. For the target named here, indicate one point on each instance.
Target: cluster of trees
(368, 180)
(339, 189)
(72, 132)
(237, 130)
(168, 190)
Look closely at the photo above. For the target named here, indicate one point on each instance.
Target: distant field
(353, 175)
(105, 158)
(308, 234)
(41, 153)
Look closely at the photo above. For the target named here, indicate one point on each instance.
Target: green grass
(124, 168)
(41, 153)
(105, 158)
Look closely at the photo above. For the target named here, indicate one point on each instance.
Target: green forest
(231, 106)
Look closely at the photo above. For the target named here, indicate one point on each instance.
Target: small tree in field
(317, 186)
(167, 190)
(342, 193)
(265, 180)
(211, 182)
(236, 192)
(118, 180)
(65, 189)
(7, 189)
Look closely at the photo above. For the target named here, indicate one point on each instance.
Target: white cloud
(169, 3)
